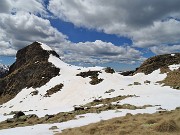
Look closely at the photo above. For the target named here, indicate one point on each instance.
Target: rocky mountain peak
(33, 53)
(31, 69)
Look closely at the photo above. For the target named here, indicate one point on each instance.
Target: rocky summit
(31, 69)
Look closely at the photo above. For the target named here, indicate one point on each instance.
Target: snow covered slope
(77, 90)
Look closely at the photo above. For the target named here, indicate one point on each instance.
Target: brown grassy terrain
(164, 123)
(172, 79)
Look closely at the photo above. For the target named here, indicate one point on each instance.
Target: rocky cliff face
(160, 61)
(31, 69)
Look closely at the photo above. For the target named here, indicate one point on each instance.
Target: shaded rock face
(31, 69)
(160, 61)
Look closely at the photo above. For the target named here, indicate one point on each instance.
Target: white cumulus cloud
(98, 52)
(147, 23)
(23, 28)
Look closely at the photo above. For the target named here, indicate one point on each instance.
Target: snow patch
(174, 67)
(45, 47)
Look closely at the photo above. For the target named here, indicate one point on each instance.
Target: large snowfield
(78, 91)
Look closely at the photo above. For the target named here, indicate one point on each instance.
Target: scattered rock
(147, 82)
(32, 116)
(137, 83)
(48, 117)
(127, 73)
(34, 92)
(11, 106)
(78, 108)
(109, 70)
(18, 114)
(53, 128)
(88, 74)
(110, 91)
(97, 100)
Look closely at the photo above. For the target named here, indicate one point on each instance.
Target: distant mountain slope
(3, 70)
(159, 61)
(31, 69)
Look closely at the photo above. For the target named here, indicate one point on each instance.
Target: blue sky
(117, 33)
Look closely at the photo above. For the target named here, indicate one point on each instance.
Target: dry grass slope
(164, 123)
(172, 79)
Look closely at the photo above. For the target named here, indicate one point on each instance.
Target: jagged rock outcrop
(160, 61)
(31, 69)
